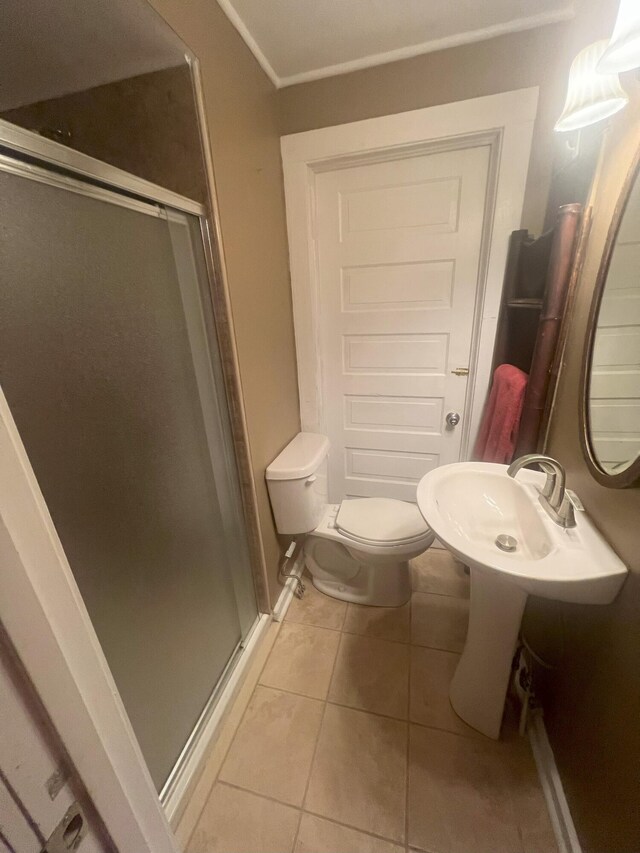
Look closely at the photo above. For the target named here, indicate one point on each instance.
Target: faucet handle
(566, 513)
(550, 482)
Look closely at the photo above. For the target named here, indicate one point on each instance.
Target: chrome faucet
(553, 495)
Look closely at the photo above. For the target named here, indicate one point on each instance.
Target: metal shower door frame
(41, 608)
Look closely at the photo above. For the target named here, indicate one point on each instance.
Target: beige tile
(273, 748)
(232, 720)
(317, 835)
(302, 660)
(439, 621)
(359, 772)
(385, 623)
(471, 795)
(372, 675)
(439, 572)
(316, 608)
(431, 674)
(235, 821)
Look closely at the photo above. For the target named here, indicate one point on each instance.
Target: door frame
(505, 123)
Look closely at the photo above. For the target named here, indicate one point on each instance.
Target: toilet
(357, 550)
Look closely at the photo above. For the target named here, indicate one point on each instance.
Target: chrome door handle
(452, 419)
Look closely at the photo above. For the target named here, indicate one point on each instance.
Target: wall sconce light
(591, 96)
(623, 51)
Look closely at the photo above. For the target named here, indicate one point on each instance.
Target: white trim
(505, 121)
(45, 617)
(557, 804)
(199, 750)
(231, 13)
(456, 40)
(289, 587)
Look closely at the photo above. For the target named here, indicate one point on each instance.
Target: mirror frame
(630, 476)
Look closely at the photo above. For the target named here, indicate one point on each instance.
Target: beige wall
(539, 57)
(592, 698)
(146, 125)
(243, 126)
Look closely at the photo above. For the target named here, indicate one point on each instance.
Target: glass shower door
(107, 363)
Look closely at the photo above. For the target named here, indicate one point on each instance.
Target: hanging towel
(498, 433)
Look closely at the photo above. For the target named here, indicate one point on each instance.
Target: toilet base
(376, 586)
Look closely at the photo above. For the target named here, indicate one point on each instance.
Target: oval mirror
(611, 371)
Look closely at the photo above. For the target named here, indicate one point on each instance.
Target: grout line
(320, 727)
(290, 692)
(259, 794)
(479, 737)
(313, 625)
(328, 701)
(344, 618)
(407, 719)
(297, 832)
(420, 849)
(366, 832)
(440, 594)
(351, 633)
(436, 648)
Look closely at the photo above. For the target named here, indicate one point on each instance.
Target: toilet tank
(297, 483)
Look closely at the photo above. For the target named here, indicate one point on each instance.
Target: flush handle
(452, 419)
(310, 480)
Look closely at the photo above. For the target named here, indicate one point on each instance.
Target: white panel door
(399, 246)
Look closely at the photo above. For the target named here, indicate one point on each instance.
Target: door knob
(453, 419)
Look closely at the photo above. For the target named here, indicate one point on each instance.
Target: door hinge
(69, 833)
(461, 371)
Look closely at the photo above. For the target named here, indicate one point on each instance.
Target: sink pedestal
(480, 683)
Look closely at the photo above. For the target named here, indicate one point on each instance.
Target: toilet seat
(381, 521)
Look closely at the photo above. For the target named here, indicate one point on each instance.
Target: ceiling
(49, 49)
(298, 40)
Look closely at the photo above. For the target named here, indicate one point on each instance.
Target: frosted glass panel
(98, 367)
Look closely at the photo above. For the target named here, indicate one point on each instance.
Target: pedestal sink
(469, 505)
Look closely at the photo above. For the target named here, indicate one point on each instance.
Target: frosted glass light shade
(591, 96)
(623, 51)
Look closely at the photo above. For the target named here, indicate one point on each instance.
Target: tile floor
(349, 744)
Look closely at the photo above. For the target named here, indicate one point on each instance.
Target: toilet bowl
(361, 549)
(357, 550)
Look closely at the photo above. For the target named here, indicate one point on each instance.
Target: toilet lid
(381, 520)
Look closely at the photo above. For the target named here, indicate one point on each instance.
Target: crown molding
(249, 40)
(517, 25)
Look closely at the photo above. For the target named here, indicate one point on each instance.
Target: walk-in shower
(110, 365)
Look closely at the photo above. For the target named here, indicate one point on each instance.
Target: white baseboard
(557, 804)
(289, 588)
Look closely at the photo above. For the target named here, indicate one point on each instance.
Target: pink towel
(498, 433)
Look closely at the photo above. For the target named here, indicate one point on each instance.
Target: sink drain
(506, 543)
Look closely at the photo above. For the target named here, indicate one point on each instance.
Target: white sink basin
(468, 505)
